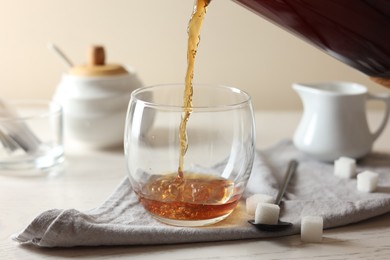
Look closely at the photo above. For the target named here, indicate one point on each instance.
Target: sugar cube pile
(252, 201)
(267, 213)
(367, 181)
(312, 229)
(345, 167)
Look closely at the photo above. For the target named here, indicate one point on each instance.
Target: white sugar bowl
(95, 99)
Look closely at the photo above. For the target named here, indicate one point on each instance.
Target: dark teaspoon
(281, 225)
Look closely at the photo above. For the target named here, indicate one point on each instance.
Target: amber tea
(194, 197)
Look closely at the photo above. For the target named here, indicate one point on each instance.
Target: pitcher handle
(386, 99)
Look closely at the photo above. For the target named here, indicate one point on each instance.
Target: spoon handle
(292, 166)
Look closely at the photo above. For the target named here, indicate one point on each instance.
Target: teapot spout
(382, 81)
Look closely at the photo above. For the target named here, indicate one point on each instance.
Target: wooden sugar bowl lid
(96, 66)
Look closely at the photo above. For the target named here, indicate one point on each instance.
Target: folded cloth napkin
(313, 190)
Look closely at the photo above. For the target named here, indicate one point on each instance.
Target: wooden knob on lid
(96, 65)
(96, 56)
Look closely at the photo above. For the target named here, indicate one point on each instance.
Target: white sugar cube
(267, 213)
(345, 167)
(367, 181)
(252, 201)
(311, 229)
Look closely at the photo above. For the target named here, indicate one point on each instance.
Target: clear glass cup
(217, 163)
(31, 136)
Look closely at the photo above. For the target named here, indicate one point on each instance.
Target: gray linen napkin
(313, 190)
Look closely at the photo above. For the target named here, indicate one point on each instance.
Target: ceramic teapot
(334, 121)
(354, 32)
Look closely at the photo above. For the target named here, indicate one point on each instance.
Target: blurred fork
(15, 134)
(9, 144)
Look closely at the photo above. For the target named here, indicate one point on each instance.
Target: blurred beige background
(237, 47)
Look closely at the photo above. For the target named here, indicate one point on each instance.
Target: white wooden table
(90, 176)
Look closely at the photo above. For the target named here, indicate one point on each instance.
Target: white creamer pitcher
(334, 121)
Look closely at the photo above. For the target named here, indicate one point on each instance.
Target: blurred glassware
(31, 135)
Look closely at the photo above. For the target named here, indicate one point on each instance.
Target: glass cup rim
(233, 105)
(33, 102)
